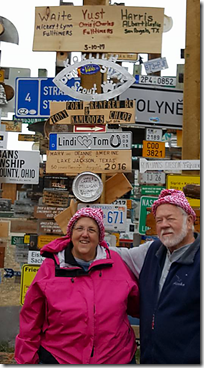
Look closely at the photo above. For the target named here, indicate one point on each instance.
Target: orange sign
(153, 149)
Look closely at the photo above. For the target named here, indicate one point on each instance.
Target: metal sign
(102, 161)
(114, 217)
(151, 190)
(87, 187)
(20, 167)
(155, 65)
(3, 139)
(33, 96)
(153, 149)
(34, 257)
(109, 89)
(145, 202)
(9, 79)
(28, 273)
(155, 105)
(153, 134)
(152, 178)
(180, 181)
(101, 141)
(156, 81)
(170, 165)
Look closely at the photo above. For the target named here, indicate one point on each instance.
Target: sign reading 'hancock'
(87, 141)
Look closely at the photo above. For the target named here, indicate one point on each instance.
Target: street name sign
(104, 141)
(33, 96)
(156, 105)
(169, 165)
(145, 202)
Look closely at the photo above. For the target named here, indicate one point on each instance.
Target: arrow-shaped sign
(175, 165)
(89, 128)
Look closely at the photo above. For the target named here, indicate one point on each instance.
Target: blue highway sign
(33, 96)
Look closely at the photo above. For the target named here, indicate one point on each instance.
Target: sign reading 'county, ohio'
(98, 29)
(104, 141)
(75, 162)
(19, 167)
(94, 112)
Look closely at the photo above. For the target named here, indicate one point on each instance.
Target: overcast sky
(22, 14)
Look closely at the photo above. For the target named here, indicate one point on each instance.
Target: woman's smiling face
(85, 238)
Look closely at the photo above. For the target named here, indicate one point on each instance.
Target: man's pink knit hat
(94, 213)
(176, 197)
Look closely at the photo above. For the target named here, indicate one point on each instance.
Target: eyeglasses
(90, 230)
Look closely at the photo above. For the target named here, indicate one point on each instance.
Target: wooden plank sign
(12, 126)
(58, 198)
(48, 227)
(75, 162)
(46, 212)
(98, 29)
(4, 229)
(94, 112)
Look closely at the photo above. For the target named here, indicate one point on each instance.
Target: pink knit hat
(94, 213)
(176, 197)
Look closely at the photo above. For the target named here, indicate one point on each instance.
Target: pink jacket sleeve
(31, 321)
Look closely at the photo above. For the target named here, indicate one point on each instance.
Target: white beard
(173, 240)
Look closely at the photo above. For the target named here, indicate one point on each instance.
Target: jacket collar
(188, 256)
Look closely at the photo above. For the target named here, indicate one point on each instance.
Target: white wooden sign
(170, 165)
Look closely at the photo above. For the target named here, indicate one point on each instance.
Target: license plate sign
(114, 217)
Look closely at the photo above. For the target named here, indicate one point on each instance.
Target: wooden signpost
(98, 29)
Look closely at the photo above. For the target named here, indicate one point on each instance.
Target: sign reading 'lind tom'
(109, 88)
(104, 141)
(98, 29)
(21, 167)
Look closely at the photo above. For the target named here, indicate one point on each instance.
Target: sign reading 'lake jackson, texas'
(98, 29)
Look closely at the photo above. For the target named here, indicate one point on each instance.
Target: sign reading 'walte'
(104, 141)
(95, 112)
(74, 162)
(98, 29)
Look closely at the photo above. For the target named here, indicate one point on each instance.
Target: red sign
(89, 128)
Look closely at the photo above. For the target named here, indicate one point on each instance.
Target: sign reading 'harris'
(98, 29)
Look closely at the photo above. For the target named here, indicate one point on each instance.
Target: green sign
(151, 190)
(145, 202)
(29, 120)
(17, 240)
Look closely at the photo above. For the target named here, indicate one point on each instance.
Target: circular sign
(87, 187)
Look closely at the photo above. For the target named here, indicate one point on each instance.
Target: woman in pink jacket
(76, 309)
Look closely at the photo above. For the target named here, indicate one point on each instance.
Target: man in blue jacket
(169, 278)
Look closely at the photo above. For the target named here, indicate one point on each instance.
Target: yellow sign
(45, 239)
(1, 75)
(153, 149)
(28, 273)
(117, 235)
(180, 181)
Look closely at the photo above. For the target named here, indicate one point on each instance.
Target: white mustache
(166, 231)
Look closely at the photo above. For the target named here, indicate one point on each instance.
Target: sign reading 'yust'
(98, 29)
